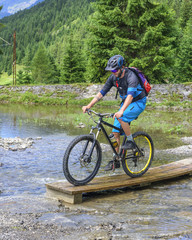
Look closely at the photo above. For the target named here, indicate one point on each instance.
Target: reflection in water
(24, 121)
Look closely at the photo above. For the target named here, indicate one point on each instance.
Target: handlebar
(107, 115)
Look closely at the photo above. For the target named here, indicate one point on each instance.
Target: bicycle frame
(100, 127)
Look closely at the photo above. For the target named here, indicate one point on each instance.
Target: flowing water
(162, 210)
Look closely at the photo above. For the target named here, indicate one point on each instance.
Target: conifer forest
(70, 41)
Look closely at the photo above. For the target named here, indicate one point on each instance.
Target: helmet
(115, 62)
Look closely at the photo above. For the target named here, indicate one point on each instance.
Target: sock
(114, 156)
(130, 138)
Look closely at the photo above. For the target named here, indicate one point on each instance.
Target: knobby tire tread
(66, 158)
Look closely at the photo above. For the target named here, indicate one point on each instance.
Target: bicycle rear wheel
(79, 166)
(136, 162)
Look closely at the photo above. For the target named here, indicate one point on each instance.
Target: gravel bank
(158, 93)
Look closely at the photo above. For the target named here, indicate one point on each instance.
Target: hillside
(49, 21)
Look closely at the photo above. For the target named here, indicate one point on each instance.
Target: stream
(161, 211)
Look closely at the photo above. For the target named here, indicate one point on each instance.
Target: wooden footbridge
(74, 194)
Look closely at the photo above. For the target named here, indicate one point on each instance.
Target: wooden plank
(73, 194)
(69, 198)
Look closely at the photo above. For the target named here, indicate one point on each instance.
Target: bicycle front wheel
(136, 162)
(82, 160)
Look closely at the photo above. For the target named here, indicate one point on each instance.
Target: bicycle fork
(87, 157)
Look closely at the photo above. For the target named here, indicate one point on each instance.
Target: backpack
(144, 81)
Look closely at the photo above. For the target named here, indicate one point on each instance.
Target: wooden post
(14, 58)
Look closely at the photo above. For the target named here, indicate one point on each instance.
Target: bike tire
(76, 168)
(135, 164)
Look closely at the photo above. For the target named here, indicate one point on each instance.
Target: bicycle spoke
(80, 164)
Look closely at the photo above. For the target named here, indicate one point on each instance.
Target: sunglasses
(114, 71)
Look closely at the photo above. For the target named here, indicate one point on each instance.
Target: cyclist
(132, 105)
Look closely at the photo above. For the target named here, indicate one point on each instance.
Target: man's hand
(85, 108)
(118, 114)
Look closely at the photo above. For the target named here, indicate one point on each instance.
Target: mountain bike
(83, 156)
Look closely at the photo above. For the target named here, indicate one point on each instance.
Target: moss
(187, 83)
(190, 96)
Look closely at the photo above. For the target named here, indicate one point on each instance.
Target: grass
(46, 98)
(66, 98)
(5, 79)
(8, 80)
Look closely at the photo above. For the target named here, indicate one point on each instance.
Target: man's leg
(130, 114)
(126, 128)
(114, 163)
(117, 137)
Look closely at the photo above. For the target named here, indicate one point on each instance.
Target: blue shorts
(131, 113)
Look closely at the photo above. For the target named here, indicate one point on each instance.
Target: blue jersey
(128, 85)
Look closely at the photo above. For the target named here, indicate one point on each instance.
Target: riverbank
(161, 96)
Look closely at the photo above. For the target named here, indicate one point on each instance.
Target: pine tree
(23, 77)
(184, 60)
(73, 67)
(102, 26)
(42, 69)
(1, 26)
(151, 38)
(142, 31)
(186, 12)
(56, 71)
(28, 57)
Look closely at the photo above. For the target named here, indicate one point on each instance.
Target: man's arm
(127, 102)
(97, 98)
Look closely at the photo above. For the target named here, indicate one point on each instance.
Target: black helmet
(114, 63)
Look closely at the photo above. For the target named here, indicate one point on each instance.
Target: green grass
(8, 80)
(66, 98)
(5, 79)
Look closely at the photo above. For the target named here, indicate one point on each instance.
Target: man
(133, 101)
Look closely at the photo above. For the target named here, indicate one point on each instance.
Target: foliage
(1, 26)
(152, 39)
(24, 77)
(184, 60)
(42, 69)
(64, 41)
(186, 12)
(142, 31)
(73, 68)
(49, 22)
(103, 25)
